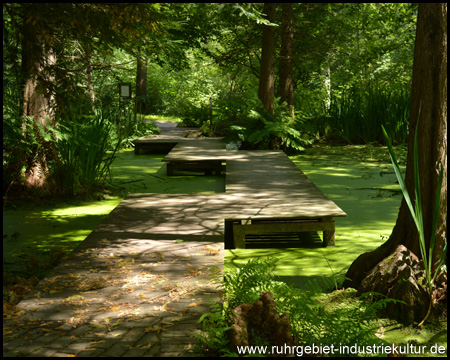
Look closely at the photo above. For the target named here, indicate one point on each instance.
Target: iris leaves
(416, 213)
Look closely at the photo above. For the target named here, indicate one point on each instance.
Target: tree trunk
(141, 85)
(429, 109)
(286, 65)
(327, 85)
(266, 73)
(89, 77)
(35, 98)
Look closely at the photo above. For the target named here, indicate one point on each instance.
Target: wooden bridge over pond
(266, 193)
(139, 283)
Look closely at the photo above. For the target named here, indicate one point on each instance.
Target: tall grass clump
(86, 151)
(357, 115)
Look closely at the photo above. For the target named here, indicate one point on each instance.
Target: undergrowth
(336, 318)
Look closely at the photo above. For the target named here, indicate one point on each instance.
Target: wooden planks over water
(265, 193)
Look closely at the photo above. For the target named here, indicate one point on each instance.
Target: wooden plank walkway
(205, 155)
(138, 284)
(265, 191)
(276, 196)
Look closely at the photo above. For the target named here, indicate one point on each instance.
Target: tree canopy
(347, 66)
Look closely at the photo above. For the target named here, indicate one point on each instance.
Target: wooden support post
(328, 232)
(239, 236)
(305, 225)
(169, 169)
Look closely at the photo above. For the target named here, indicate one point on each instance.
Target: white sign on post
(125, 90)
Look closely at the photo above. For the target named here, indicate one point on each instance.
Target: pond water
(43, 230)
(359, 179)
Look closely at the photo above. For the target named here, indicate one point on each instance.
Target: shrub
(262, 130)
(85, 152)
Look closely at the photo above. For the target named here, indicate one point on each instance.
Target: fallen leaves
(140, 285)
(11, 311)
(195, 272)
(93, 284)
(194, 304)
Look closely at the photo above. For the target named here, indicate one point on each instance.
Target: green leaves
(333, 318)
(85, 150)
(417, 215)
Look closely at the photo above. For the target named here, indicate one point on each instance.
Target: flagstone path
(139, 283)
(122, 292)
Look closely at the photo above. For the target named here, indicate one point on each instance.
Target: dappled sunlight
(38, 232)
(369, 194)
(91, 208)
(120, 280)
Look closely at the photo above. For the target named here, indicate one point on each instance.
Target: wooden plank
(198, 150)
(167, 142)
(260, 185)
(205, 155)
(271, 186)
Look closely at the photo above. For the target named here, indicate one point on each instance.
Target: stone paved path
(121, 293)
(122, 297)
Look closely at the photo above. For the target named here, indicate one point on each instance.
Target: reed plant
(357, 115)
(85, 150)
(416, 213)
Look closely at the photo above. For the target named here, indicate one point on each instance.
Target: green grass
(165, 118)
(357, 115)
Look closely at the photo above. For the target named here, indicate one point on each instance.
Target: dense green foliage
(352, 73)
(341, 318)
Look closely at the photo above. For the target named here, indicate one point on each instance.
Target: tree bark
(36, 98)
(286, 65)
(266, 74)
(429, 111)
(141, 85)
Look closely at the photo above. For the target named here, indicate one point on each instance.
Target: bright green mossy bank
(42, 230)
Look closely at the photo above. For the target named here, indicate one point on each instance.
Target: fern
(333, 321)
(262, 127)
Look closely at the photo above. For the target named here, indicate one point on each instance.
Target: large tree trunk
(429, 109)
(35, 98)
(141, 85)
(266, 74)
(286, 65)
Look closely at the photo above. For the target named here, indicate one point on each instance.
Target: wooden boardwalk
(205, 155)
(139, 283)
(265, 193)
(276, 197)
